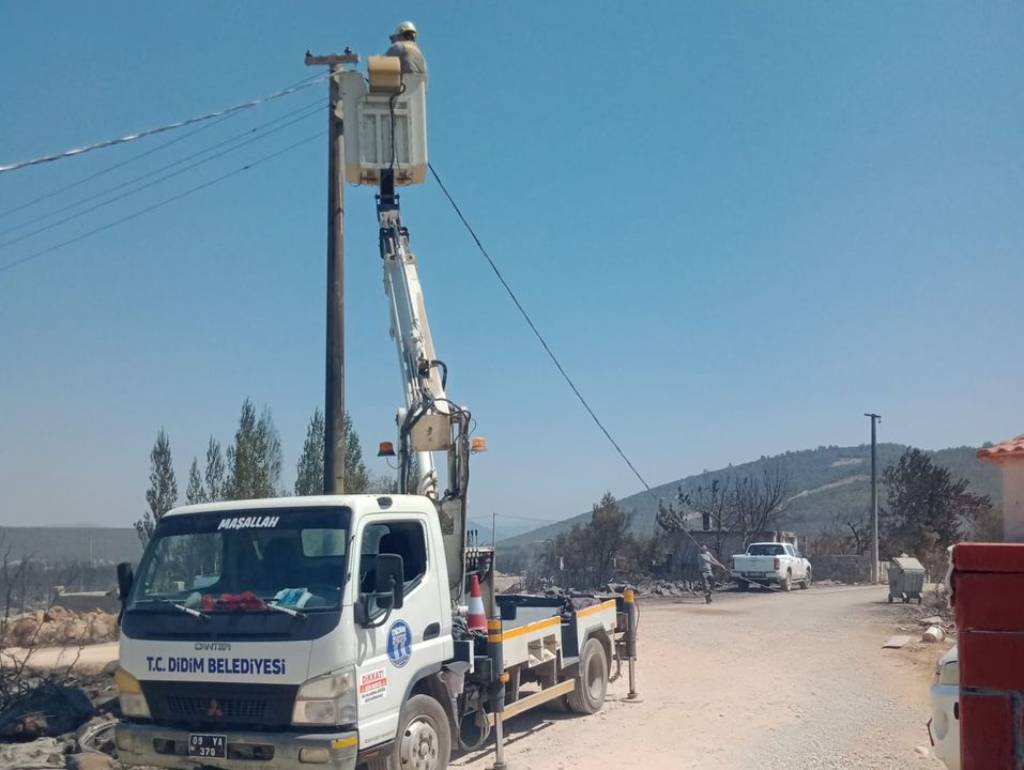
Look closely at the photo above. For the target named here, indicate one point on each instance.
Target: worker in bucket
(403, 46)
(707, 576)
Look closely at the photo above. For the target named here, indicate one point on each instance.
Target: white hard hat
(403, 28)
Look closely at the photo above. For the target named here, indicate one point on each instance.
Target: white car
(771, 563)
(944, 726)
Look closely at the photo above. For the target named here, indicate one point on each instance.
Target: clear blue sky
(741, 224)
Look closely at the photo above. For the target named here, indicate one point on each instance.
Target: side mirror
(390, 579)
(374, 607)
(125, 578)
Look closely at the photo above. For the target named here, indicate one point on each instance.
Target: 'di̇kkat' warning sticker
(399, 643)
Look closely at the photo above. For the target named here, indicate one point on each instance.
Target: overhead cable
(159, 204)
(307, 113)
(551, 354)
(161, 129)
(536, 331)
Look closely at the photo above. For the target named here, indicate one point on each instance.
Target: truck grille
(210, 704)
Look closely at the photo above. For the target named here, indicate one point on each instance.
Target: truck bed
(539, 629)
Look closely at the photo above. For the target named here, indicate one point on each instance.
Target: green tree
(194, 492)
(214, 475)
(163, 488)
(928, 510)
(587, 552)
(357, 479)
(254, 460)
(309, 478)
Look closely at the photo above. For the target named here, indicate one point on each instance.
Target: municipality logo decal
(399, 643)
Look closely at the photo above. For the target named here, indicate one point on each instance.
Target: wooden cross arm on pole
(332, 59)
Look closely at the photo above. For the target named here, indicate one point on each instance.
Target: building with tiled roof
(1009, 456)
(1012, 447)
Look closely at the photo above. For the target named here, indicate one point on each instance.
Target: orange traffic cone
(476, 618)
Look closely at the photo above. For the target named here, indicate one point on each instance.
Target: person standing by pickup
(707, 574)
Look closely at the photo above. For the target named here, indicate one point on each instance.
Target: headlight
(129, 693)
(327, 700)
(949, 673)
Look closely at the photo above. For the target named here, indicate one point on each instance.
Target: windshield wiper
(187, 610)
(286, 610)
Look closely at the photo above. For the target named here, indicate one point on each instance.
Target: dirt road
(764, 680)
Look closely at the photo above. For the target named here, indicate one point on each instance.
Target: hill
(72, 545)
(828, 482)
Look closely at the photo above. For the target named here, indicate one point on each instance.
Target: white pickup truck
(771, 563)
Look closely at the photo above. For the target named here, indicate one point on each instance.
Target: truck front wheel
(591, 679)
(424, 740)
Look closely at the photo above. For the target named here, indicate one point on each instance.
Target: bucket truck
(330, 631)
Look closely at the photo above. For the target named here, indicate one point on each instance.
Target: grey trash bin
(906, 579)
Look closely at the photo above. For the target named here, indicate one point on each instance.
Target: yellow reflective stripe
(494, 638)
(535, 626)
(610, 604)
(344, 743)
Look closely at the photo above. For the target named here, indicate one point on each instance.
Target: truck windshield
(241, 561)
(766, 549)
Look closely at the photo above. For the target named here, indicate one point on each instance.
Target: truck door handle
(432, 631)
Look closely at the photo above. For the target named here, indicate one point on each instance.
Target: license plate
(754, 574)
(215, 746)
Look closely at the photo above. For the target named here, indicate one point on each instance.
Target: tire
(807, 581)
(591, 679)
(424, 739)
(890, 598)
(787, 582)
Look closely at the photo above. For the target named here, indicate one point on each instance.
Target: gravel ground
(763, 680)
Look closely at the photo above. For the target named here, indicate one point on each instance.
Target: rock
(896, 642)
(48, 710)
(56, 613)
(92, 760)
(933, 634)
(23, 630)
(42, 754)
(923, 751)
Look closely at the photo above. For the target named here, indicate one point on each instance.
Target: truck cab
(286, 632)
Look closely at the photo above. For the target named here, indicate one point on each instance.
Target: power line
(308, 113)
(551, 354)
(160, 204)
(163, 145)
(536, 332)
(160, 129)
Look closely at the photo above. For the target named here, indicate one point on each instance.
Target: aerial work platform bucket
(385, 123)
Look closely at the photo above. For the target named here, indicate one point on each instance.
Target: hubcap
(419, 749)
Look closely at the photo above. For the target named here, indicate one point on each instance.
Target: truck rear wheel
(424, 740)
(591, 679)
(787, 582)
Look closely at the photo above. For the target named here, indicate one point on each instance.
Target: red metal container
(988, 597)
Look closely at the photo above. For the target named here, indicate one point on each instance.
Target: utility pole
(334, 387)
(876, 572)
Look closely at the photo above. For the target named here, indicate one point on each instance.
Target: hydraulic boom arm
(430, 422)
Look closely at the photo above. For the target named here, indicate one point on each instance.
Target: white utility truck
(332, 631)
(771, 564)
